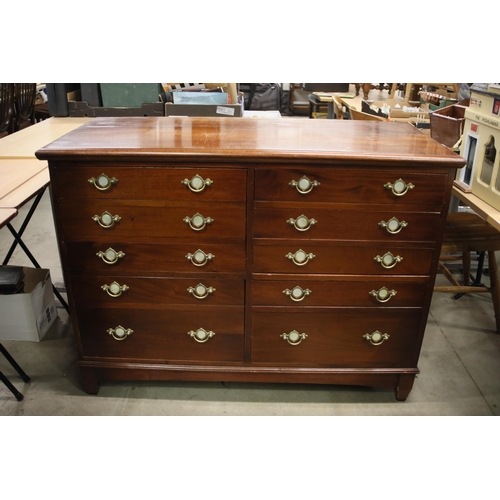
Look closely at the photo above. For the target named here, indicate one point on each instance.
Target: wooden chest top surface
(244, 140)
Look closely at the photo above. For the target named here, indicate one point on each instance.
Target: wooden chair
(359, 115)
(466, 233)
(24, 105)
(337, 108)
(6, 108)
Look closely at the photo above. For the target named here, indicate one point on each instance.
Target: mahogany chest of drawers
(294, 251)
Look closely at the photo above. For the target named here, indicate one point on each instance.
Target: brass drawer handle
(199, 258)
(103, 182)
(200, 291)
(399, 188)
(197, 222)
(197, 184)
(302, 223)
(297, 293)
(115, 289)
(376, 338)
(106, 220)
(388, 261)
(304, 185)
(294, 337)
(300, 258)
(120, 333)
(110, 256)
(383, 294)
(393, 226)
(201, 335)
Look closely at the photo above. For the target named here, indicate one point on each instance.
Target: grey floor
(459, 366)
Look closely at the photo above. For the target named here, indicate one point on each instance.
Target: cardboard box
(28, 316)
(221, 110)
(217, 98)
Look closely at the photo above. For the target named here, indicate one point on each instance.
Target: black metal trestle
(18, 369)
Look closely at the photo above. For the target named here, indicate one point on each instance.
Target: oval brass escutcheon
(302, 223)
(115, 289)
(199, 258)
(103, 182)
(197, 184)
(201, 335)
(106, 220)
(197, 222)
(399, 188)
(388, 260)
(304, 185)
(376, 338)
(383, 294)
(200, 291)
(120, 333)
(393, 226)
(300, 258)
(297, 293)
(294, 337)
(110, 256)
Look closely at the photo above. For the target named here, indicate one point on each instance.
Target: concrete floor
(459, 365)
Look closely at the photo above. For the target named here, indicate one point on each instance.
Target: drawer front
(350, 185)
(360, 293)
(162, 334)
(335, 337)
(111, 257)
(323, 258)
(165, 183)
(152, 218)
(118, 291)
(319, 223)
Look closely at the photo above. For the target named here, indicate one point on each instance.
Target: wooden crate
(447, 124)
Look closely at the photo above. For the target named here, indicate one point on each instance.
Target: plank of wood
(18, 197)
(15, 173)
(24, 143)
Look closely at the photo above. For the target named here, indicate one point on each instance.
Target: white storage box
(261, 114)
(29, 315)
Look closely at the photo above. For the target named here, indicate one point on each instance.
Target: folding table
(6, 215)
(25, 180)
(24, 143)
(23, 177)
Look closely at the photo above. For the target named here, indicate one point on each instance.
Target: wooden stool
(466, 233)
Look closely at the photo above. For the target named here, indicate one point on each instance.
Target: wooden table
(24, 143)
(6, 215)
(487, 212)
(409, 88)
(26, 179)
(354, 103)
(16, 173)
